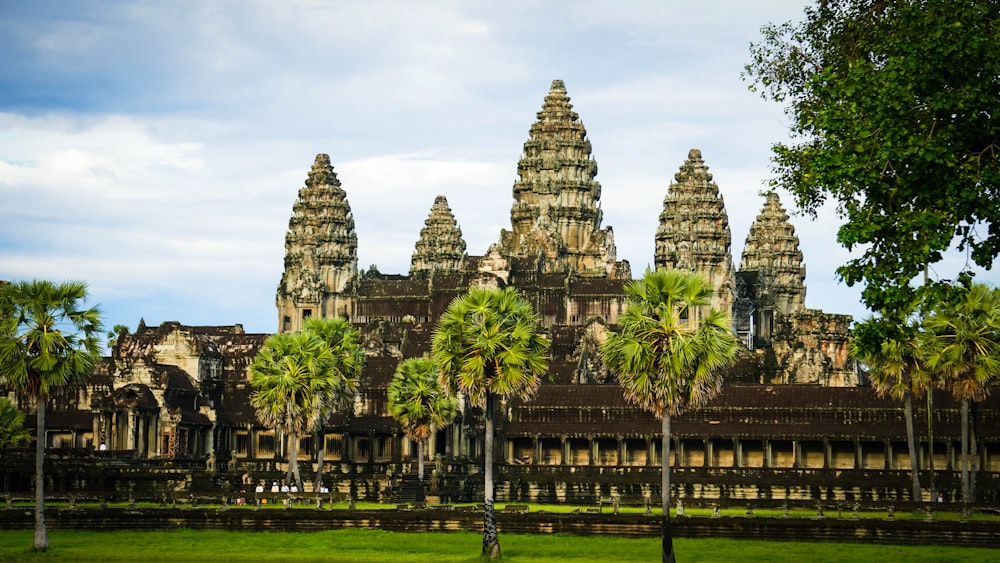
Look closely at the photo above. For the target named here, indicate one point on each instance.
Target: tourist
(284, 487)
(274, 487)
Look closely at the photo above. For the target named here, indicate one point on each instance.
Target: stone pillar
(650, 450)
(737, 453)
(796, 454)
(565, 451)
(707, 459)
(621, 451)
(827, 454)
(859, 456)
(595, 450)
(767, 461)
(536, 450)
(130, 431)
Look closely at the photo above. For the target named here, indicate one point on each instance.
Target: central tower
(556, 216)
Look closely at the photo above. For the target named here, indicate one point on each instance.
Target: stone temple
(795, 420)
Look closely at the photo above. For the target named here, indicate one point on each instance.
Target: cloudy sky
(155, 149)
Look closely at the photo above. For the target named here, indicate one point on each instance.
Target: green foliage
(416, 399)
(12, 431)
(892, 354)
(348, 355)
(667, 355)
(47, 341)
(357, 545)
(961, 341)
(894, 111)
(487, 342)
(115, 333)
(299, 379)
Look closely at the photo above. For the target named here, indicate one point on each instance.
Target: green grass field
(376, 546)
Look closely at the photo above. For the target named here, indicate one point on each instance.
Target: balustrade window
(334, 446)
(242, 443)
(265, 444)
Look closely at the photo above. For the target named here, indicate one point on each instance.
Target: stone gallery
(795, 419)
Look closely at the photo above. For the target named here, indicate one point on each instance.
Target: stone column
(130, 431)
(565, 451)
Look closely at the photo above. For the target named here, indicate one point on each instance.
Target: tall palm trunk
(668, 540)
(911, 443)
(41, 536)
(491, 542)
(930, 439)
(320, 455)
(420, 471)
(965, 451)
(293, 459)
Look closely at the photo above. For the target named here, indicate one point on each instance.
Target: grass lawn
(378, 546)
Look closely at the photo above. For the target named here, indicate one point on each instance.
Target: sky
(155, 149)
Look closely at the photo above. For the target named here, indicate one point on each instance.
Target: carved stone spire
(694, 229)
(772, 250)
(321, 251)
(556, 213)
(441, 247)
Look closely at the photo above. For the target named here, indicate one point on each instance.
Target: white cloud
(156, 149)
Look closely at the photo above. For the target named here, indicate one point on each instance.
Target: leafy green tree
(296, 385)
(115, 333)
(349, 357)
(891, 351)
(12, 431)
(48, 341)
(487, 347)
(669, 354)
(961, 341)
(893, 107)
(420, 404)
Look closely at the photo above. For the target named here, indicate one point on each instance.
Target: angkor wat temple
(795, 419)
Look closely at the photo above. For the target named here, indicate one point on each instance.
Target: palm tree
(47, 342)
(12, 431)
(296, 384)
(891, 352)
(419, 403)
(349, 357)
(668, 356)
(962, 343)
(116, 333)
(487, 347)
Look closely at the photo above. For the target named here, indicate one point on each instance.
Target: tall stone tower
(771, 280)
(441, 247)
(772, 248)
(321, 251)
(694, 230)
(556, 216)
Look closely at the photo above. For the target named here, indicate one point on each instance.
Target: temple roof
(694, 229)
(441, 246)
(772, 249)
(556, 214)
